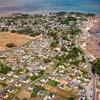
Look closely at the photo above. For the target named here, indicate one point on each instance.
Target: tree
(96, 67)
(25, 99)
(4, 69)
(74, 31)
(33, 34)
(53, 44)
(71, 98)
(68, 20)
(61, 13)
(47, 60)
(13, 31)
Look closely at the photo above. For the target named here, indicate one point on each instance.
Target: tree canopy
(96, 67)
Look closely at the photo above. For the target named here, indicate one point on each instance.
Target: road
(26, 86)
(92, 78)
(11, 84)
(84, 37)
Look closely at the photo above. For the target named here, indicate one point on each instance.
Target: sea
(83, 6)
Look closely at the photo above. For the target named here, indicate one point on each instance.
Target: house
(2, 78)
(10, 90)
(25, 81)
(4, 95)
(44, 80)
(51, 96)
(82, 98)
(10, 73)
(61, 86)
(18, 84)
(41, 92)
(31, 88)
(11, 80)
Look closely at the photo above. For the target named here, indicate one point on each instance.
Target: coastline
(4, 14)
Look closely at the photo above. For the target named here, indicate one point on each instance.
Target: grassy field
(17, 39)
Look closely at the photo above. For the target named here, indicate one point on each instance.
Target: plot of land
(17, 39)
(24, 94)
(93, 46)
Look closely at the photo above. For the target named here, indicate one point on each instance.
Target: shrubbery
(10, 45)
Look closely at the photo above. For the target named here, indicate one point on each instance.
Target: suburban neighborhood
(54, 64)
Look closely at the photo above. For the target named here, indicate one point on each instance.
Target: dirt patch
(24, 94)
(96, 25)
(62, 93)
(17, 39)
(93, 45)
(98, 95)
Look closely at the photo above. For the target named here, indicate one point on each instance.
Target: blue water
(87, 6)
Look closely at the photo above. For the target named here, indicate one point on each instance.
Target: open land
(93, 43)
(17, 39)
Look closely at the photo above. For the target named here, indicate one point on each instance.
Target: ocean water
(86, 6)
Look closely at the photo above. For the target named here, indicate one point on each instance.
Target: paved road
(90, 71)
(85, 31)
(26, 86)
(92, 78)
(10, 85)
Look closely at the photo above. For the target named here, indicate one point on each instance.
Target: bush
(35, 91)
(47, 60)
(10, 45)
(53, 44)
(33, 34)
(13, 31)
(61, 13)
(25, 99)
(71, 98)
(52, 83)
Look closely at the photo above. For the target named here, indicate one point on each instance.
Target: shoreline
(4, 14)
